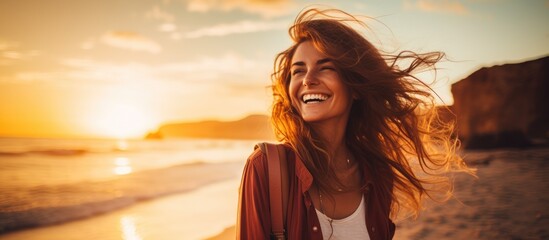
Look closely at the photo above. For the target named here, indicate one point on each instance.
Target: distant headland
(250, 127)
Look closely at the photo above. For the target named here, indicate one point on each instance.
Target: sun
(121, 121)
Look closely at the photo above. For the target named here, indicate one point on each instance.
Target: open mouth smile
(314, 98)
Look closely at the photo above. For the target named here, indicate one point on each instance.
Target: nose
(310, 79)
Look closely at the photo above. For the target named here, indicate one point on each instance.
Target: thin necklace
(322, 207)
(330, 220)
(348, 164)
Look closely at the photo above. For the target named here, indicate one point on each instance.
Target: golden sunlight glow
(121, 121)
(122, 145)
(122, 166)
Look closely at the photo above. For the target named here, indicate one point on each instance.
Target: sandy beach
(507, 201)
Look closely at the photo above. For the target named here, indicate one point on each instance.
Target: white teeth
(317, 97)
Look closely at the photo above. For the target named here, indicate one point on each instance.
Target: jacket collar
(303, 174)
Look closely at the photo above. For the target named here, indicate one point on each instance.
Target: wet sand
(193, 215)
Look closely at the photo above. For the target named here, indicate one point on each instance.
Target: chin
(311, 119)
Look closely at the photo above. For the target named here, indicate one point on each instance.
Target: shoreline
(176, 215)
(117, 193)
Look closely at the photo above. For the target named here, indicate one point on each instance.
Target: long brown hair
(393, 127)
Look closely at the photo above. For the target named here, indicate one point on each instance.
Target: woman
(362, 137)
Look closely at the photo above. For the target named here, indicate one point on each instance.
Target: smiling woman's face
(316, 89)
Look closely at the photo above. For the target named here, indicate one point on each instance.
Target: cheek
(345, 92)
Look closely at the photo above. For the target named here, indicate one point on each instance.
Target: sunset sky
(120, 68)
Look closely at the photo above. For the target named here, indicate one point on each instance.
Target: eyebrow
(321, 61)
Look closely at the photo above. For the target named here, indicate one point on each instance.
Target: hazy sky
(120, 67)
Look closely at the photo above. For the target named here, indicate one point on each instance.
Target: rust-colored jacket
(254, 218)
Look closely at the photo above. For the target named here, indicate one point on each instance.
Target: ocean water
(48, 181)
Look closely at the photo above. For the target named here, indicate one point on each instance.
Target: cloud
(12, 55)
(210, 67)
(158, 14)
(90, 71)
(202, 71)
(224, 70)
(37, 76)
(238, 27)
(10, 52)
(86, 69)
(262, 7)
(205, 68)
(440, 6)
(175, 35)
(166, 19)
(131, 41)
(202, 83)
(88, 44)
(167, 27)
(6, 45)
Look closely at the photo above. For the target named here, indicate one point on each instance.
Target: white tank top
(351, 227)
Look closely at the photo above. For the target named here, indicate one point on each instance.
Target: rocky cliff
(503, 106)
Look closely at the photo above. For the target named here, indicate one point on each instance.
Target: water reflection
(122, 166)
(129, 231)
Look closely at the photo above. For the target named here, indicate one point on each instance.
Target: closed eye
(297, 71)
(327, 68)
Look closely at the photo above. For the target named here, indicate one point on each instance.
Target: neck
(333, 136)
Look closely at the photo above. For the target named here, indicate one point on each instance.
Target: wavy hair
(393, 124)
